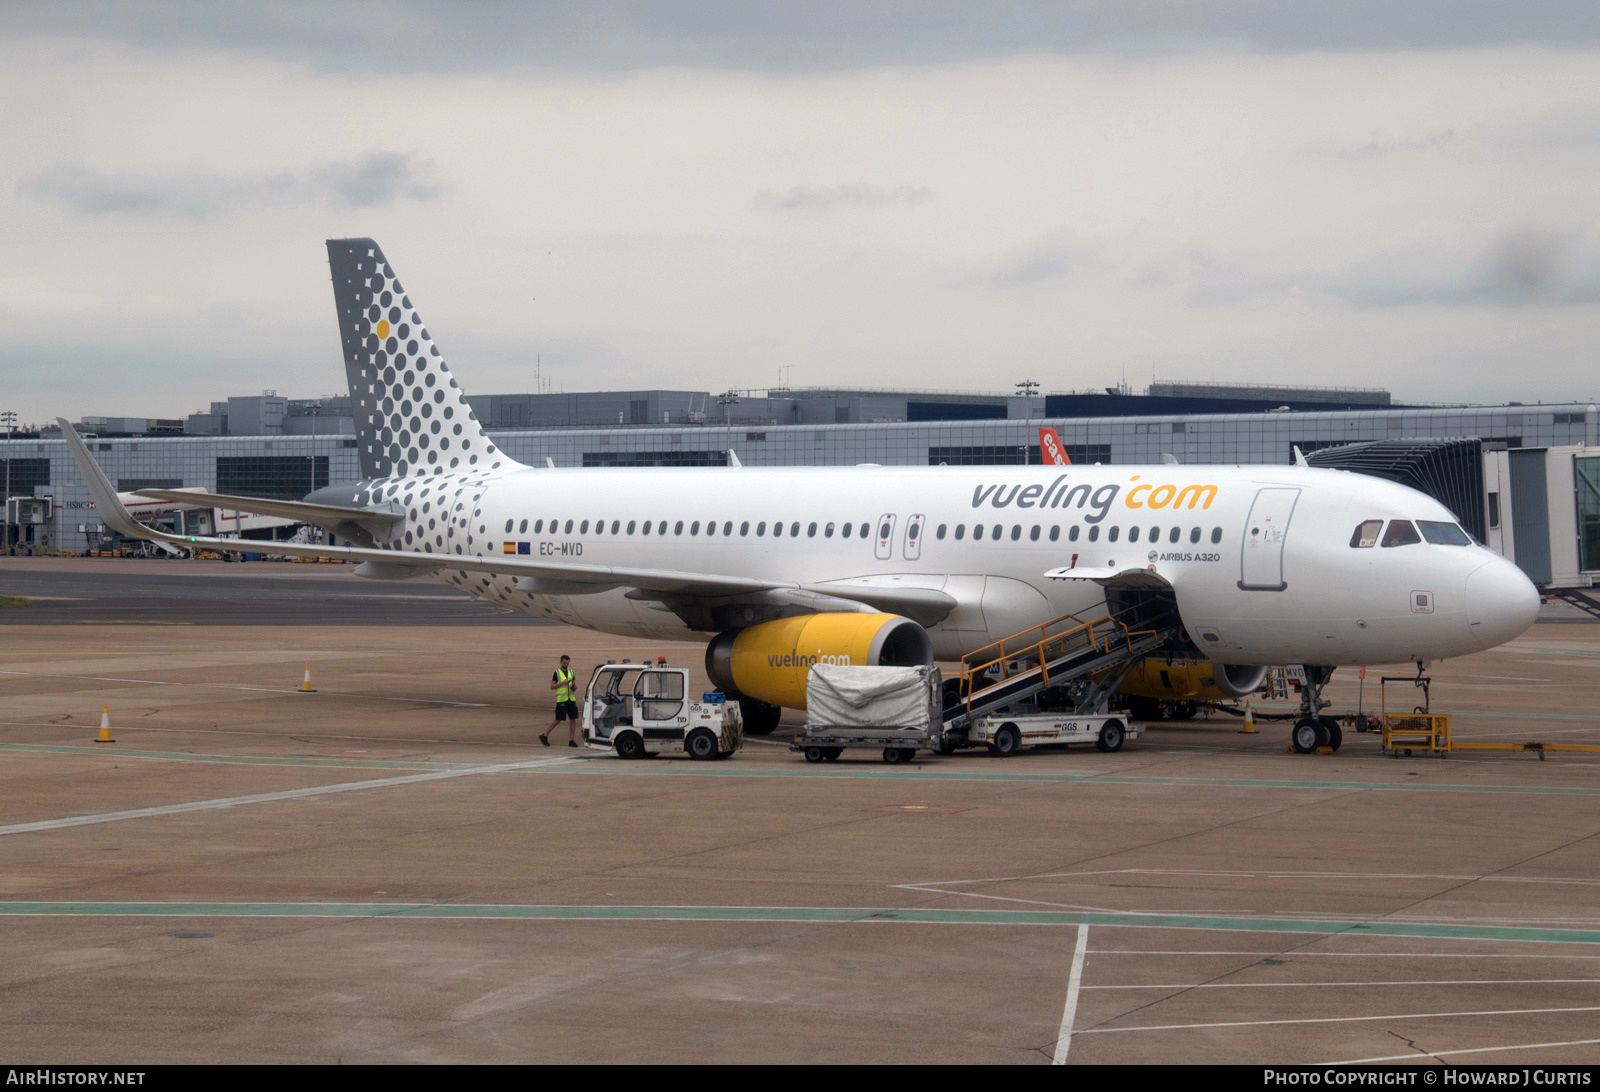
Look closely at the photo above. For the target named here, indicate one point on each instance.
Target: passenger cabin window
(939, 534)
(846, 529)
(615, 524)
(1111, 535)
(631, 525)
(1443, 534)
(1055, 533)
(727, 527)
(523, 529)
(1172, 535)
(1366, 534)
(794, 529)
(1094, 533)
(811, 529)
(863, 531)
(1016, 532)
(1400, 533)
(1072, 533)
(961, 531)
(569, 527)
(1194, 534)
(1216, 534)
(1133, 533)
(761, 528)
(977, 532)
(744, 528)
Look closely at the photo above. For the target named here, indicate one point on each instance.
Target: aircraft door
(913, 547)
(884, 548)
(1261, 559)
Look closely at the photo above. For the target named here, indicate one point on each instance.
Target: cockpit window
(1366, 534)
(1400, 533)
(1443, 534)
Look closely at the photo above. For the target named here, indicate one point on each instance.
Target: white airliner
(782, 567)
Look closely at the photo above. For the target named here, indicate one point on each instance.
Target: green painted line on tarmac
(684, 769)
(823, 914)
(241, 760)
(1559, 652)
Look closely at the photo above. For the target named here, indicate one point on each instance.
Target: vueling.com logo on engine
(804, 659)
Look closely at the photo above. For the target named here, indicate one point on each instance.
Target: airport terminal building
(288, 448)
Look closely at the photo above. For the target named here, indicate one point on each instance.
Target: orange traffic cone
(105, 726)
(1249, 726)
(306, 687)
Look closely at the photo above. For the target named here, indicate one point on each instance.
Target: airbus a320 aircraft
(780, 568)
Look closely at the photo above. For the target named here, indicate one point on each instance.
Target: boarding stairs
(1582, 600)
(1100, 651)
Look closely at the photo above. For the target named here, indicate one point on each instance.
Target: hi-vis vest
(564, 690)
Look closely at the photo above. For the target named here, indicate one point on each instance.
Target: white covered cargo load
(896, 708)
(872, 697)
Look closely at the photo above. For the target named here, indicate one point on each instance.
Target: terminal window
(284, 477)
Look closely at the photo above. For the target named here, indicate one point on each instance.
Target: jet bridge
(1086, 657)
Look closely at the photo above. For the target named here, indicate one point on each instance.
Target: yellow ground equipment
(1418, 730)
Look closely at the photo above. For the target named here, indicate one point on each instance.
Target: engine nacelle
(1184, 681)
(769, 662)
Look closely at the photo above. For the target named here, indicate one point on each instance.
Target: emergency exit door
(1261, 563)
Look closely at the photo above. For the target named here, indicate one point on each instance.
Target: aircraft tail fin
(1050, 450)
(412, 420)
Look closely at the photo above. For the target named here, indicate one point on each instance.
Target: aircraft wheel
(629, 745)
(1007, 740)
(1111, 736)
(1307, 736)
(1335, 731)
(831, 754)
(759, 718)
(701, 745)
(816, 754)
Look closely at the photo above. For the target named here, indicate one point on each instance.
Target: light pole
(9, 419)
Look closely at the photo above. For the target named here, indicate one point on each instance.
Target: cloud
(1049, 259)
(377, 179)
(854, 194)
(381, 178)
(625, 35)
(1521, 267)
(191, 197)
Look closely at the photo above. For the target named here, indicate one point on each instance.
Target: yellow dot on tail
(383, 327)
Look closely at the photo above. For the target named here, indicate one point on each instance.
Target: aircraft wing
(551, 577)
(299, 511)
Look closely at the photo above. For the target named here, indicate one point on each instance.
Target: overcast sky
(712, 195)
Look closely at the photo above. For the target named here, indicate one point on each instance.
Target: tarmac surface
(392, 869)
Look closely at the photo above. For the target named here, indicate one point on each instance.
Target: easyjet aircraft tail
(1051, 453)
(411, 418)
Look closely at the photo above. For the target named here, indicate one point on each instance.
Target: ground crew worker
(566, 703)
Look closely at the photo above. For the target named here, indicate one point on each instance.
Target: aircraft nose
(1501, 602)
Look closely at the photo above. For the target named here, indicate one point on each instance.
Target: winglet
(733, 459)
(111, 510)
(1299, 457)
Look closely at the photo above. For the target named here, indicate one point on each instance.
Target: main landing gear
(1311, 728)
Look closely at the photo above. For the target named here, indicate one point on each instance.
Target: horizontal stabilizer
(299, 511)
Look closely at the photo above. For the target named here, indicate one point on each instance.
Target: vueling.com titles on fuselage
(1058, 494)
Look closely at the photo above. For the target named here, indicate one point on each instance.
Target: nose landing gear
(1311, 728)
